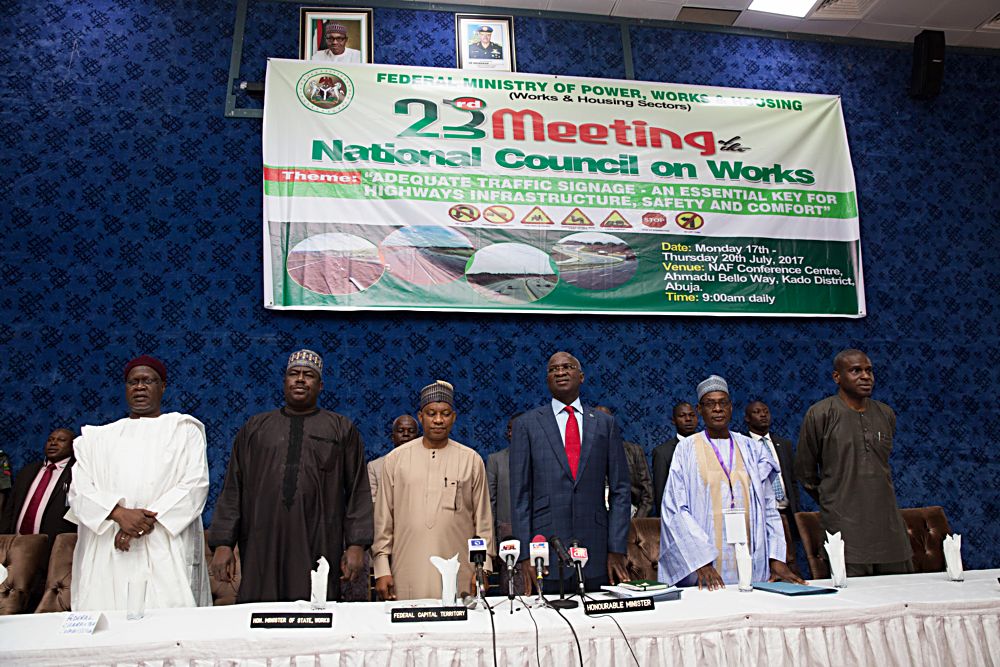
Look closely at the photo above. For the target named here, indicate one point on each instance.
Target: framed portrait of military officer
(485, 42)
(335, 35)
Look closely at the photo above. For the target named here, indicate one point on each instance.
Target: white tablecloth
(920, 619)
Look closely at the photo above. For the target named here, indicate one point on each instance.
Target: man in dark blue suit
(560, 456)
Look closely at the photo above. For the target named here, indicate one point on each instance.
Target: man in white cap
(433, 498)
(296, 489)
(720, 491)
(336, 51)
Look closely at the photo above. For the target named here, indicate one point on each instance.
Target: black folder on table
(786, 588)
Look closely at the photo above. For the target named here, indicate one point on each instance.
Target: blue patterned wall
(131, 216)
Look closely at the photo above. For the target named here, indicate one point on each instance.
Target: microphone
(477, 550)
(509, 552)
(477, 556)
(579, 557)
(564, 559)
(561, 552)
(539, 550)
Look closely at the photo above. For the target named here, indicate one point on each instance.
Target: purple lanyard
(728, 471)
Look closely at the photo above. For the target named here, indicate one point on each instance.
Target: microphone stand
(480, 576)
(562, 602)
(579, 581)
(540, 600)
(511, 575)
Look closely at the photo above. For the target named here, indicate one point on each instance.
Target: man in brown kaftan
(843, 463)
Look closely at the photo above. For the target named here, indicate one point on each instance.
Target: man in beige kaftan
(432, 499)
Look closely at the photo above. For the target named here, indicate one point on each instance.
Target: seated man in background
(786, 492)
(641, 485)
(686, 422)
(433, 499)
(5, 479)
(404, 428)
(498, 480)
(139, 487)
(715, 473)
(38, 500)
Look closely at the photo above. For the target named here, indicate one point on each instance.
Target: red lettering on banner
(626, 133)
(312, 176)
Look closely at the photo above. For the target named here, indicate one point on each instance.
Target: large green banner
(389, 188)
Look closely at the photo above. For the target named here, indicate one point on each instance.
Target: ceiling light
(797, 8)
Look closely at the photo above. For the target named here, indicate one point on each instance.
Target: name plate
(83, 623)
(593, 607)
(268, 620)
(424, 614)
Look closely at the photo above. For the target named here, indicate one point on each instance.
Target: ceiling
(963, 21)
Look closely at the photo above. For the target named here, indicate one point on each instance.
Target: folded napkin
(953, 557)
(835, 553)
(448, 567)
(744, 567)
(320, 575)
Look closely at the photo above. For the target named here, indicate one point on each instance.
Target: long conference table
(917, 619)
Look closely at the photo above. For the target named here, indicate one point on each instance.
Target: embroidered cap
(306, 358)
(438, 392)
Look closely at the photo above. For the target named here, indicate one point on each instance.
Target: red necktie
(28, 523)
(572, 441)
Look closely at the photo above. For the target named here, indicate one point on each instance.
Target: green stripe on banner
(401, 185)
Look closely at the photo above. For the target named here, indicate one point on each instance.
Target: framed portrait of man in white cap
(485, 42)
(335, 35)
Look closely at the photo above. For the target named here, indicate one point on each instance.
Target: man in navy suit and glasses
(560, 455)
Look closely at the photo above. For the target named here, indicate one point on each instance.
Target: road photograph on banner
(403, 188)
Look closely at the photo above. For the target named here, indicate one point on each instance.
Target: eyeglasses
(721, 403)
(555, 368)
(145, 382)
(337, 39)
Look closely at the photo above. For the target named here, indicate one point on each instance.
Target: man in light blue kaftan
(712, 472)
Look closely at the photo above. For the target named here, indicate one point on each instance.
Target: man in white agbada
(712, 474)
(139, 487)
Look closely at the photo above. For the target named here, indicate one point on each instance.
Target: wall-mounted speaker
(928, 64)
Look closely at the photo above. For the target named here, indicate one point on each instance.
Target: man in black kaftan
(296, 489)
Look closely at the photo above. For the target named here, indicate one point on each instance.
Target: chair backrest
(643, 555)
(790, 559)
(224, 592)
(25, 557)
(643, 551)
(60, 576)
(926, 527)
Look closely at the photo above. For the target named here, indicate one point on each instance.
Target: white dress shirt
(562, 417)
